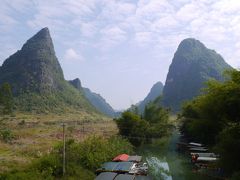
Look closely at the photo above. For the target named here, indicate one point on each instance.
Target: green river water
(166, 163)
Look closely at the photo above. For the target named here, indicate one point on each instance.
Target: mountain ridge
(95, 99)
(193, 64)
(154, 92)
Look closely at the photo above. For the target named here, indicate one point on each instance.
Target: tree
(139, 130)
(155, 113)
(133, 127)
(229, 147)
(214, 119)
(6, 98)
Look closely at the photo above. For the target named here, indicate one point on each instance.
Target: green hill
(193, 64)
(95, 99)
(37, 80)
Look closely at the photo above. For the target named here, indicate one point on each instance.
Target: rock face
(35, 67)
(155, 92)
(37, 80)
(95, 99)
(193, 64)
(76, 83)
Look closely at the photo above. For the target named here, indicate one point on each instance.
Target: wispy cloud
(137, 29)
(72, 55)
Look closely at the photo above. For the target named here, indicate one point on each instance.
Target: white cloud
(156, 27)
(110, 37)
(143, 38)
(72, 55)
(227, 6)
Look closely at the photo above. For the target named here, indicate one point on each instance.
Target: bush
(6, 135)
(95, 150)
(133, 127)
(138, 130)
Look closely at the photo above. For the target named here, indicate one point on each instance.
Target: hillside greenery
(142, 129)
(95, 99)
(99, 102)
(58, 101)
(214, 119)
(82, 159)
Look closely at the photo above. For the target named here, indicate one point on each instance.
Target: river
(165, 162)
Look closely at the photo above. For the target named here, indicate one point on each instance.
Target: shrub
(6, 135)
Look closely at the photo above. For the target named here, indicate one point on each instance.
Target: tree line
(213, 118)
(141, 128)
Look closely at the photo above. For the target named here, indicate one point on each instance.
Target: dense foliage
(214, 118)
(82, 159)
(58, 101)
(141, 129)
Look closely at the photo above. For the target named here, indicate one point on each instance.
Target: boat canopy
(206, 159)
(116, 167)
(195, 144)
(204, 154)
(121, 157)
(106, 176)
(115, 176)
(125, 177)
(199, 149)
(135, 158)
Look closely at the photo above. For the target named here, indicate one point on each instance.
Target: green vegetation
(140, 129)
(155, 92)
(82, 159)
(26, 137)
(58, 101)
(6, 99)
(6, 135)
(214, 119)
(99, 102)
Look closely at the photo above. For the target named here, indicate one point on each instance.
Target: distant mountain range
(37, 80)
(95, 99)
(155, 92)
(38, 83)
(193, 64)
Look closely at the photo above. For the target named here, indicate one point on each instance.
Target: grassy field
(34, 135)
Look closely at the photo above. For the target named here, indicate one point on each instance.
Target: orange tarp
(121, 157)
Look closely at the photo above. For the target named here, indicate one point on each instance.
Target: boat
(204, 154)
(195, 144)
(198, 149)
(126, 157)
(116, 176)
(130, 166)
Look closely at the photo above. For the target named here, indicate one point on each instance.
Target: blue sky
(121, 48)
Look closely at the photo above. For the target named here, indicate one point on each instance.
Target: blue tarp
(116, 166)
(106, 176)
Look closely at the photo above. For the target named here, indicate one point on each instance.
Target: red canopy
(121, 157)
